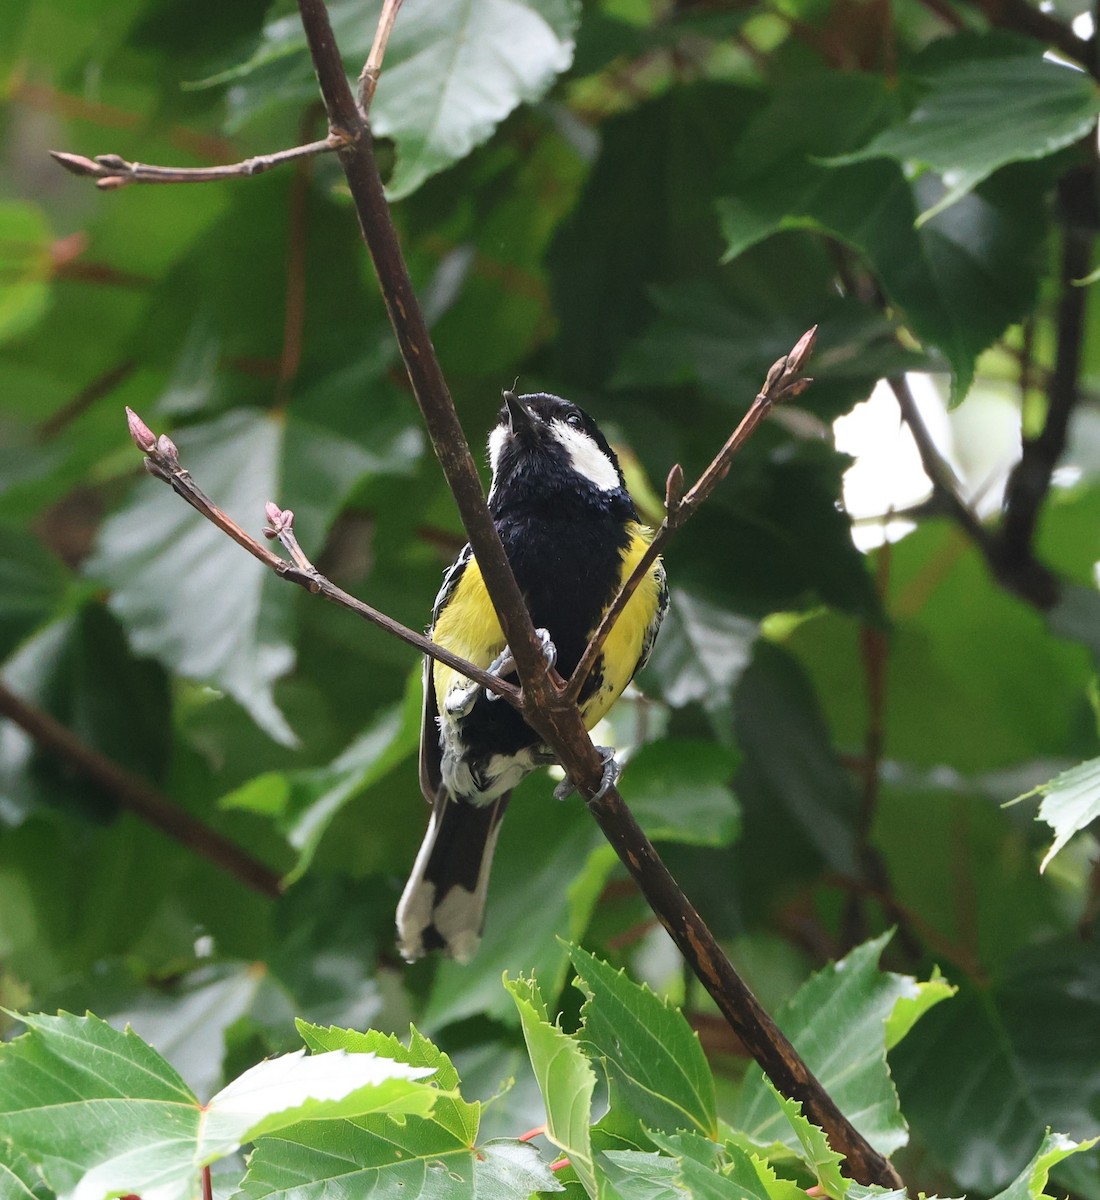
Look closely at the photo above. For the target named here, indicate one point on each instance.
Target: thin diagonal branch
(163, 462)
(945, 484)
(111, 171)
(1030, 480)
(372, 68)
(783, 381)
(429, 387)
(135, 795)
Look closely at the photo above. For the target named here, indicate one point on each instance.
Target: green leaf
(25, 267)
(701, 653)
(102, 1111)
(304, 803)
(457, 1116)
(655, 1065)
(353, 1159)
(565, 1078)
(960, 279)
(32, 584)
(454, 71)
(838, 1023)
(642, 1175)
(957, 127)
(789, 756)
(817, 1154)
(1031, 1183)
(191, 597)
(1071, 802)
(1033, 1040)
(680, 792)
(19, 1180)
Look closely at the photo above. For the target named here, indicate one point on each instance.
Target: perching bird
(572, 536)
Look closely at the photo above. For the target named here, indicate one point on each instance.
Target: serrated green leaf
(817, 1154)
(565, 1078)
(654, 1063)
(352, 1159)
(838, 1023)
(1071, 802)
(908, 1010)
(101, 1113)
(642, 1175)
(1033, 1040)
(958, 128)
(460, 1117)
(1031, 1183)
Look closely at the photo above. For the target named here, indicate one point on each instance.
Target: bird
(572, 535)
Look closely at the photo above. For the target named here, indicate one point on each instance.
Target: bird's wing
(430, 753)
(654, 626)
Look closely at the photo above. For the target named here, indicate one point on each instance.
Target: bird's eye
(575, 419)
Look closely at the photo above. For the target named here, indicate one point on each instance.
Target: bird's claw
(504, 663)
(612, 769)
(460, 700)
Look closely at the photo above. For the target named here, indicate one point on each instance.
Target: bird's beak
(519, 416)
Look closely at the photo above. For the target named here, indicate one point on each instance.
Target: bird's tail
(443, 904)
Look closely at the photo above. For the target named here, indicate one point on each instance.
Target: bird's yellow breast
(468, 626)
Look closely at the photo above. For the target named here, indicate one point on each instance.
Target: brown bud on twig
(166, 448)
(76, 163)
(800, 355)
(143, 437)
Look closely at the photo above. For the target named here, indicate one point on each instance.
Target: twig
(1030, 480)
(110, 171)
(372, 68)
(134, 794)
(162, 461)
(103, 385)
(783, 381)
(429, 387)
(945, 484)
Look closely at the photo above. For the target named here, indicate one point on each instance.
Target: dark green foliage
(642, 222)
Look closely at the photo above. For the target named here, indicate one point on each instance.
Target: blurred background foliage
(638, 204)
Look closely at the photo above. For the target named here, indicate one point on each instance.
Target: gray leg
(612, 769)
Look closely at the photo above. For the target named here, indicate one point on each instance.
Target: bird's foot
(612, 769)
(460, 700)
(504, 663)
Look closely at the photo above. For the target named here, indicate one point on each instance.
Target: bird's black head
(544, 449)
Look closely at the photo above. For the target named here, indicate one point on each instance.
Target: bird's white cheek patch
(587, 458)
(497, 439)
